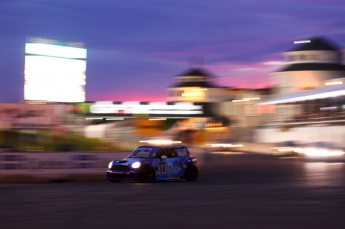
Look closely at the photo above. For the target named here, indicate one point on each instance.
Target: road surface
(235, 190)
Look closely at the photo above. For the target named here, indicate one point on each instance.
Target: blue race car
(149, 163)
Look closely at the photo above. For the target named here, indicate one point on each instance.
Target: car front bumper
(122, 175)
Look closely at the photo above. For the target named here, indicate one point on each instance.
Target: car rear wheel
(147, 175)
(192, 174)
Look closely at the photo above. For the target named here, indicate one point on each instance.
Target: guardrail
(54, 166)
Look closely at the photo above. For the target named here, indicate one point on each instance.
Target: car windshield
(145, 153)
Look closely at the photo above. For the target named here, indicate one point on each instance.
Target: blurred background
(305, 104)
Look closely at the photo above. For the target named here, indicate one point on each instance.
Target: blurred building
(236, 107)
(195, 102)
(309, 103)
(196, 85)
(313, 70)
(32, 116)
(309, 66)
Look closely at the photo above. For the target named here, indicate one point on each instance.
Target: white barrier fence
(55, 166)
(331, 134)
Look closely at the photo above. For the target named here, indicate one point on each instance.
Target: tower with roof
(196, 85)
(309, 66)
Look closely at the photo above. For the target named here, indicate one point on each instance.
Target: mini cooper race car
(149, 163)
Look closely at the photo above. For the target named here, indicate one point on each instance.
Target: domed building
(309, 102)
(230, 105)
(309, 66)
(196, 85)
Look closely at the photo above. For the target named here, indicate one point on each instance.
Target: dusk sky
(136, 47)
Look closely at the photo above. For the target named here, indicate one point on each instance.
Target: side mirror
(163, 157)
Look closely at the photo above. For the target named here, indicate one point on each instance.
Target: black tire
(192, 173)
(115, 181)
(147, 175)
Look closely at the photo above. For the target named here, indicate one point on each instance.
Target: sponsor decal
(170, 167)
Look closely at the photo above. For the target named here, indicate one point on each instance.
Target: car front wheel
(147, 175)
(192, 174)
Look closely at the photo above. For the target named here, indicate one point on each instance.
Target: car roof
(162, 146)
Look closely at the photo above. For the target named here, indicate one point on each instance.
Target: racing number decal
(162, 168)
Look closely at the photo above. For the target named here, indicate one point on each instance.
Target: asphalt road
(233, 191)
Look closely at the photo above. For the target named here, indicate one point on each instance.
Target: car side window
(172, 153)
(182, 152)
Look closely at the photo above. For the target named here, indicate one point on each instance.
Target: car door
(174, 167)
(162, 165)
(170, 166)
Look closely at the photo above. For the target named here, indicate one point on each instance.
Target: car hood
(128, 161)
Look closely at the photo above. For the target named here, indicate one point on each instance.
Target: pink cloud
(249, 75)
(120, 96)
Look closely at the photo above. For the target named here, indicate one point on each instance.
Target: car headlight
(110, 165)
(136, 165)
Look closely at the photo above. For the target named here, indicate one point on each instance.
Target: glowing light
(217, 124)
(52, 73)
(190, 94)
(288, 149)
(160, 142)
(328, 108)
(239, 100)
(225, 145)
(55, 50)
(136, 165)
(106, 107)
(110, 165)
(193, 92)
(244, 100)
(302, 42)
(321, 152)
(229, 153)
(333, 83)
(320, 95)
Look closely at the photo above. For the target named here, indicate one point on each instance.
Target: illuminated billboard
(54, 73)
(145, 109)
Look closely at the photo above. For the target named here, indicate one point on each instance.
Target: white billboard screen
(55, 50)
(54, 79)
